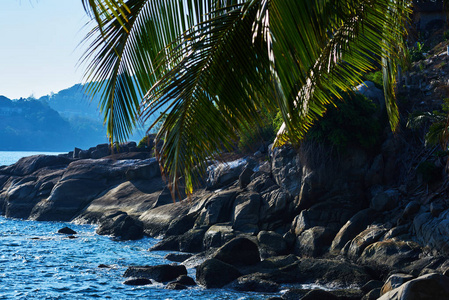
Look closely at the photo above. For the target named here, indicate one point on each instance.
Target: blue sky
(39, 48)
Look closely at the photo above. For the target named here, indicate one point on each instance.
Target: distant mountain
(81, 111)
(56, 122)
(32, 125)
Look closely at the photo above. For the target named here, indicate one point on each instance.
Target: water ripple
(38, 263)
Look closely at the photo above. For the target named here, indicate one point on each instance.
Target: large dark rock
(177, 257)
(367, 237)
(245, 177)
(352, 227)
(137, 281)
(217, 235)
(214, 273)
(386, 200)
(66, 230)
(319, 295)
(390, 254)
(433, 231)
(275, 208)
(82, 182)
(217, 208)
(224, 173)
(395, 281)
(157, 220)
(245, 214)
(332, 214)
(31, 164)
(121, 226)
(431, 286)
(161, 273)
(320, 271)
(271, 244)
(239, 251)
(314, 241)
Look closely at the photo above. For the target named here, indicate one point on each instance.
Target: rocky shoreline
(359, 224)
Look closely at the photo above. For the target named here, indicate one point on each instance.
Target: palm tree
(213, 65)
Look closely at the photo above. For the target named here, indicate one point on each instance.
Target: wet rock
(249, 284)
(170, 243)
(192, 240)
(66, 230)
(320, 271)
(161, 273)
(103, 266)
(319, 295)
(214, 273)
(121, 226)
(175, 286)
(177, 257)
(138, 281)
(185, 280)
(239, 251)
(157, 220)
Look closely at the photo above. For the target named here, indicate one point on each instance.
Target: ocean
(38, 263)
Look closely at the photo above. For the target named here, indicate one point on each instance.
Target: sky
(40, 46)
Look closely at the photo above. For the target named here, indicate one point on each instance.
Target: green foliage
(416, 53)
(438, 132)
(446, 35)
(376, 78)
(251, 137)
(353, 122)
(217, 68)
(428, 171)
(143, 143)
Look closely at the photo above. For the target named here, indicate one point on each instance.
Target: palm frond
(327, 53)
(128, 39)
(218, 84)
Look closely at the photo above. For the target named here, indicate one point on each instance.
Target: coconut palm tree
(213, 65)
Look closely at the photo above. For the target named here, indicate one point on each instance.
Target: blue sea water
(38, 263)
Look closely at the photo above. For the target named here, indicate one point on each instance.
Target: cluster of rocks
(357, 219)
